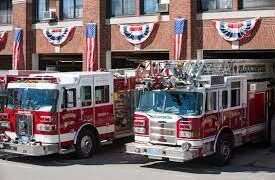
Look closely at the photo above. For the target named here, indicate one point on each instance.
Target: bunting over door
(3, 37)
(57, 36)
(137, 34)
(236, 31)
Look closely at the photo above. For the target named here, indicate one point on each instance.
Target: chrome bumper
(161, 152)
(31, 150)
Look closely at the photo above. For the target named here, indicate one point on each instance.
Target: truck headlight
(185, 134)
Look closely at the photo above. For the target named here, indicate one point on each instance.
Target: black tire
(224, 149)
(86, 144)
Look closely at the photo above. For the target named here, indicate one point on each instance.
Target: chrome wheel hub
(226, 150)
(86, 144)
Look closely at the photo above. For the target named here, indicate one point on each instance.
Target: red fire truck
(67, 112)
(190, 109)
(5, 77)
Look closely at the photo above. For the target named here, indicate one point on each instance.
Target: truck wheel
(224, 149)
(85, 144)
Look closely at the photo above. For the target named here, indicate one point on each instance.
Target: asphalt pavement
(253, 162)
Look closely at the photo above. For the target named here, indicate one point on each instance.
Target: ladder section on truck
(175, 73)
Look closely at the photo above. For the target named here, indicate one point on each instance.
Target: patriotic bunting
(90, 45)
(57, 36)
(179, 27)
(236, 31)
(3, 36)
(18, 57)
(137, 34)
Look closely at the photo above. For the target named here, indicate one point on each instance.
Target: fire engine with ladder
(191, 109)
(67, 112)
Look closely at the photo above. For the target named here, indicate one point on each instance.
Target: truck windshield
(180, 103)
(33, 99)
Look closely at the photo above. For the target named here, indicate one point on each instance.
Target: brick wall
(262, 37)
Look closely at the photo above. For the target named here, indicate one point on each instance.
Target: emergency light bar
(37, 79)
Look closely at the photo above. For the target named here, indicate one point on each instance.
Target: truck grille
(24, 125)
(162, 132)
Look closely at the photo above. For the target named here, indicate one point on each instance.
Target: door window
(235, 94)
(69, 98)
(102, 94)
(224, 99)
(211, 101)
(86, 95)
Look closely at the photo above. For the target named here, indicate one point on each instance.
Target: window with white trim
(246, 4)
(72, 9)
(149, 6)
(86, 95)
(123, 7)
(214, 5)
(40, 7)
(102, 94)
(211, 101)
(235, 94)
(5, 12)
(224, 99)
(69, 98)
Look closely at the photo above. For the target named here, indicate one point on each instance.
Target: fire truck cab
(67, 112)
(201, 108)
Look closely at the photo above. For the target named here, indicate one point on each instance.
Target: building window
(149, 6)
(40, 7)
(72, 9)
(246, 4)
(5, 11)
(102, 94)
(212, 5)
(123, 7)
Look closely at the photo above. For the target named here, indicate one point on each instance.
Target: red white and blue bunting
(57, 36)
(3, 36)
(236, 31)
(137, 34)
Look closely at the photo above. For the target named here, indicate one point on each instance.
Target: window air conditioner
(48, 15)
(163, 7)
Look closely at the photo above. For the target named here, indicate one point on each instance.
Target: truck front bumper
(161, 152)
(27, 149)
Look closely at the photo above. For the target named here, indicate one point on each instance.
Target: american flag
(90, 45)
(18, 57)
(179, 30)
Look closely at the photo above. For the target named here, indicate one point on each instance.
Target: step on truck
(191, 109)
(67, 112)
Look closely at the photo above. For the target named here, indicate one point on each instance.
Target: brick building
(201, 39)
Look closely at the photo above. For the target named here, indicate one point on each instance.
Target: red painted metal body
(105, 109)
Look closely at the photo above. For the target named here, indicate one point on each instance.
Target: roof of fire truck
(69, 77)
(198, 73)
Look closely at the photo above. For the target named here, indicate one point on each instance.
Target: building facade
(200, 38)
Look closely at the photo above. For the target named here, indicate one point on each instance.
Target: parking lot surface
(249, 162)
